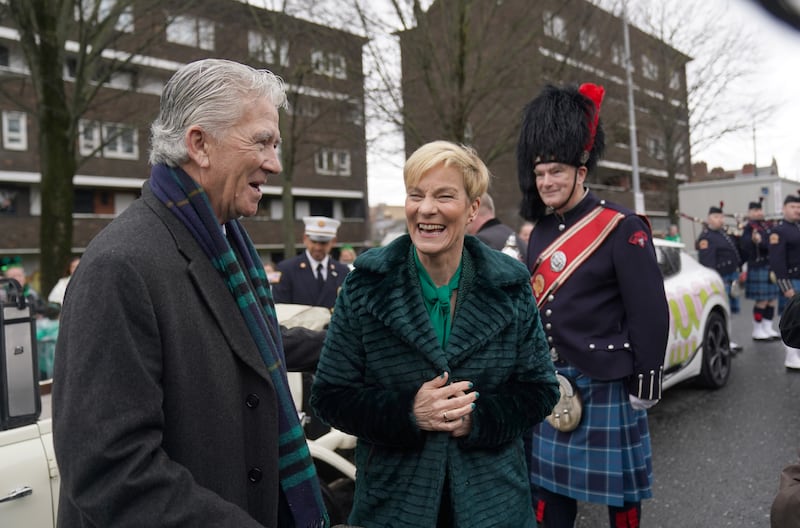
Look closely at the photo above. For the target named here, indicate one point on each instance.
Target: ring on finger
(444, 415)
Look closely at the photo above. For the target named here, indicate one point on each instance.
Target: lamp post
(638, 197)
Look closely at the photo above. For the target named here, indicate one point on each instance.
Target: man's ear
(581, 174)
(197, 145)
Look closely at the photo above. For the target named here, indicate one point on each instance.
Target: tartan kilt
(607, 459)
(758, 286)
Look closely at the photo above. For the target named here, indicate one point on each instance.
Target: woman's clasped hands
(443, 406)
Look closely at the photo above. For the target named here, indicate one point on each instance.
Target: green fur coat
(381, 347)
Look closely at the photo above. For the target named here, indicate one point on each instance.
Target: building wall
(107, 185)
(509, 56)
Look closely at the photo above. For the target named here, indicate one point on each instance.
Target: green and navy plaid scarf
(189, 203)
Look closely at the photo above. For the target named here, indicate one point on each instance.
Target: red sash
(571, 249)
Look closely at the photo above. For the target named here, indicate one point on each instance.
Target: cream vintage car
(699, 346)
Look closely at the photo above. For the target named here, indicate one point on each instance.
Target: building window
(555, 26)
(266, 49)
(15, 131)
(329, 63)
(675, 81)
(5, 60)
(649, 68)
(333, 161)
(655, 148)
(88, 138)
(8, 200)
(120, 141)
(588, 41)
(104, 10)
(191, 31)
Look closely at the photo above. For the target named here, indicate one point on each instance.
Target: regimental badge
(703, 244)
(558, 261)
(774, 238)
(537, 283)
(639, 238)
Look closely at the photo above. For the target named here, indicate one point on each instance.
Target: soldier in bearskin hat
(754, 245)
(601, 296)
(784, 259)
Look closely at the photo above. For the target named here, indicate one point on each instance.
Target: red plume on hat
(595, 93)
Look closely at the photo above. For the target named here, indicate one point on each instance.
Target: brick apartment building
(324, 144)
(491, 57)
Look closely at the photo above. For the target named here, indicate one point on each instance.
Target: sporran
(566, 415)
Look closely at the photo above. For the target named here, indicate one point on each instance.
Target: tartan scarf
(189, 203)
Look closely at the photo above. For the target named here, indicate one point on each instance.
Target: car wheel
(716, 352)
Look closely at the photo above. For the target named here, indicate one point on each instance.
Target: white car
(699, 345)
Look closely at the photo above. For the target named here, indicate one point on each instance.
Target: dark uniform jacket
(164, 413)
(718, 250)
(495, 233)
(756, 255)
(298, 284)
(610, 318)
(784, 253)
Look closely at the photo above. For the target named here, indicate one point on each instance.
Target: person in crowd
(347, 255)
(57, 293)
(171, 405)
(718, 250)
(436, 360)
(754, 246)
(784, 261)
(672, 234)
(17, 272)
(524, 233)
(314, 276)
(493, 232)
(597, 283)
(273, 275)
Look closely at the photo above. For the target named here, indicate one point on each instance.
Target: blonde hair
(465, 159)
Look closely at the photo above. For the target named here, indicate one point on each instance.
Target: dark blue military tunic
(718, 250)
(784, 254)
(608, 326)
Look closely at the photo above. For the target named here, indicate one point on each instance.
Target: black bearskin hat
(563, 125)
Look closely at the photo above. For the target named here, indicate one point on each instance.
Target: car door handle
(18, 493)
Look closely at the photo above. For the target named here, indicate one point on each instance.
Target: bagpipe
(740, 221)
(734, 229)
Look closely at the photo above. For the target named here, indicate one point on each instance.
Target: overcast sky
(778, 81)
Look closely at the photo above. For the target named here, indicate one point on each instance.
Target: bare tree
(90, 41)
(294, 51)
(464, 57)
(719, 96)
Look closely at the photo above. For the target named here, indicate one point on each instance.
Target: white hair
(211, 93)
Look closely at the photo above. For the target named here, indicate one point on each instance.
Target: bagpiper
(784, 259)
(754, 245)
